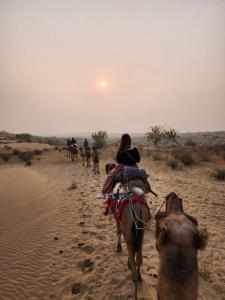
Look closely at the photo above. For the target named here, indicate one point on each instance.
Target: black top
(129, 157)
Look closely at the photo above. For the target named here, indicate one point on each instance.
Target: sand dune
(56, 244)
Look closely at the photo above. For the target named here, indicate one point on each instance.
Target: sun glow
(103, 84)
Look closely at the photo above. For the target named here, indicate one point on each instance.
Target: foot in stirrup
(101, 196)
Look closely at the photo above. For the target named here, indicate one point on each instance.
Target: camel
(88, 156)
(74, 153)
(178, 240)
(82, 155)
(134, 216)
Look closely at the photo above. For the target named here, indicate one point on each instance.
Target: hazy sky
(162, 62)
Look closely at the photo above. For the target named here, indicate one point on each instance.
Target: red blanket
(117, 206)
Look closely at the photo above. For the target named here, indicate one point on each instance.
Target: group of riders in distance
(85, 153)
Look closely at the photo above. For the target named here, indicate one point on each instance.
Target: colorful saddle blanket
(117, 205)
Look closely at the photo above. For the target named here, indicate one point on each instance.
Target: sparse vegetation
(172, 135)
(24, 137)
(155, 134)
(99, 138)
(190, 143)
(173, 164)
(5, 156)
(184, 156)
(219, 174)
(157, 156)
(26, 156)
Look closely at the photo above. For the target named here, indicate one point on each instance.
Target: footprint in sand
(87, 265)
(77, 287)
(88, 249)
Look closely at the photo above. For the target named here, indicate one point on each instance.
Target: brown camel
(132, 227)
(82, 155)
(74, 154)
(178, 240)
(132, 224)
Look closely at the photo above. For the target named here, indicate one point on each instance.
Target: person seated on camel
(126, 156)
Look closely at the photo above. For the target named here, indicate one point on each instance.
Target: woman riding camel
(126, 156)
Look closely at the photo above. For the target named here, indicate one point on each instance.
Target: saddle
(133, 180)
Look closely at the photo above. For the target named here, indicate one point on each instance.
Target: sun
(103, 84)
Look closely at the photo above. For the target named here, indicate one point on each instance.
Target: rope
(133, 212)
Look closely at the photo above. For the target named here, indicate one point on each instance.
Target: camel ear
(163, 237)
(201, 239)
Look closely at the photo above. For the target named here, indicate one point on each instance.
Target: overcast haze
(162, 62)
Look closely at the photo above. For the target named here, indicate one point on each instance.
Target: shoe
(101, 196)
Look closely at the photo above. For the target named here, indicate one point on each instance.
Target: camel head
(173, 203)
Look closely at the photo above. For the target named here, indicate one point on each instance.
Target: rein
(132, 211)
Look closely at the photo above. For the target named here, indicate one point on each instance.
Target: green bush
(99, 138)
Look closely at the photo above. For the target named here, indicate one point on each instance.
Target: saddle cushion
(117, 206)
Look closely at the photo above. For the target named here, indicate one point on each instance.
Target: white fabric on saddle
(120, 188)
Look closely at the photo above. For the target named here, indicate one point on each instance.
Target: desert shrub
(173, 164)
(157, 156)
(190, 143)
(7, 147)
(28, 163)
(24, 137)
(204, 154)
(26, 156)
(187, 159)
(16, 151)
(219, 174)
(5, 156)
(37, 152)
(184, 156)
(155, 134)
(99, 138)
(172, 135)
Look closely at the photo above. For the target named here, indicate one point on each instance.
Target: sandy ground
(53, 238)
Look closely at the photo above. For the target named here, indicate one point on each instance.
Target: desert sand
(55, 242)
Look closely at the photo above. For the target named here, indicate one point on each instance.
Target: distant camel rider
(86, 145)
(68, 143)
(73, 141)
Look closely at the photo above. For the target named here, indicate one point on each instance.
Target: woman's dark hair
(124, 143)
